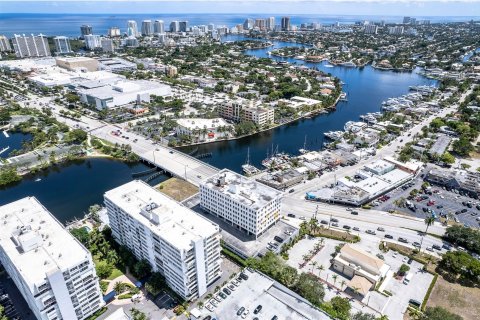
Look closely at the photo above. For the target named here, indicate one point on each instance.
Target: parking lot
(11, 299)
(259, 297)
(442, 202)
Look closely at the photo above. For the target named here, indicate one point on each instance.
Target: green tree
(2, 314)
(448, 158)
(8, 174)
(142, 268)
(138, 315)
(309, 288)
(403, 269)
(462, 146)
(428, 222)
(341, 306)
(76, 136)
(439, 313)
(81, 234)
(104, 269)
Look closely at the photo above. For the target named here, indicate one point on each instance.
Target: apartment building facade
(52, 270)
(176, 241)
(244, 203)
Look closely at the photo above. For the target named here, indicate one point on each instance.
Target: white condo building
(180, 244)
(62, 45)
(158, 26)
(244, 203)
(51, 269)
(31, 46)
(147, 28)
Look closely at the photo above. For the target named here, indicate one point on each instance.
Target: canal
(67, 191)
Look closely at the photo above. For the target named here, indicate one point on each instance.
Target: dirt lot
(463, 301)
(177, 189)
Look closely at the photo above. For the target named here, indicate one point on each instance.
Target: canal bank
(68, 190)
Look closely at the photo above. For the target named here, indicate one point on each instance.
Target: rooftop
(35, 241)
(242, 189)
(161, 214)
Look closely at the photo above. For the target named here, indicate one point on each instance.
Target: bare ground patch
(464, 301)
(177, 189)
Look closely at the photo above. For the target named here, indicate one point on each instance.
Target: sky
(332, 7)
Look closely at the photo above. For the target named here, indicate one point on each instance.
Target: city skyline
(344, 7)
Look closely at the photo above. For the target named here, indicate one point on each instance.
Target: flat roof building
(246, 204)
(31, 46)
(52, 270)
(77, 63)
(112, 94)
(353, 262)
(177, 242)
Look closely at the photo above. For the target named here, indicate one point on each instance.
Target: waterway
(69, 191)
(366, 88)
(13, 142)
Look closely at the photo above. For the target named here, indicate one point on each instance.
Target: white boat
(328, 65)
(247, 168)
(299, 57)
(334, 135)
(38, 179)
(4, 149)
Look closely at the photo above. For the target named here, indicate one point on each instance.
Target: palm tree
(428, 221)
(313, 264)
(320, 268)
(342, 284)
(334, 279)
(118, 287)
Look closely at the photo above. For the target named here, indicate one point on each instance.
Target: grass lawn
(463, 301)
(115, 274)
(177, 189)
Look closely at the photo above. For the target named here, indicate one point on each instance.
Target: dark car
(335, 224)
(410, 260)
(243, 276)
(381, 229)
(240, 311)
(334, 220)
(324, 222)
(402, 240)
(436, 247)
(227, 291)
(355, 213)
(222, 295)
(388, 236)
(464, 210)
(257, 309)
(346, 227)
(291, 215)
(416, 244)
(447, 247)
(414, 302)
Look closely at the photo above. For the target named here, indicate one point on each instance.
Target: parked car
(416, 244)
(228, 292)
(370, 232)
(381, 229)
(291, 215)
(355, 213)
(436, 247)
(324, 222)
(356, 228)
(240, 311)
(334, 220)
(388, 236)
(402, 240)
(347, 227)
(257, 309)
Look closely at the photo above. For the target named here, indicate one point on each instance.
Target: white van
(407, 279)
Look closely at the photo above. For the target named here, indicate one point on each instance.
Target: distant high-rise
(406, 20)
(107, 45)
(159, 26)
(147, 28)
(5, 44)
(132, 29)
(248, 24)
(286, 23)
(270, 23)
(86, 30)
(371, 29)
(175, 26)
(211, 27)
(114, 32)
(62, 45)
(183, 25)
(92, 42)
(31, 46)
(397, 30)
(260, 24)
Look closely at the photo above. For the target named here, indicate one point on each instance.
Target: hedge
(125, 296)
(429, 291)
(234, 257)
(97, 314)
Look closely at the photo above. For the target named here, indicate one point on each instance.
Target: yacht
(334, 135)
(247, 168)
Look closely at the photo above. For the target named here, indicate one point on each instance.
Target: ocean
(68, 24)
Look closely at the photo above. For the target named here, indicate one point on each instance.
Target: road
(175, 162)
